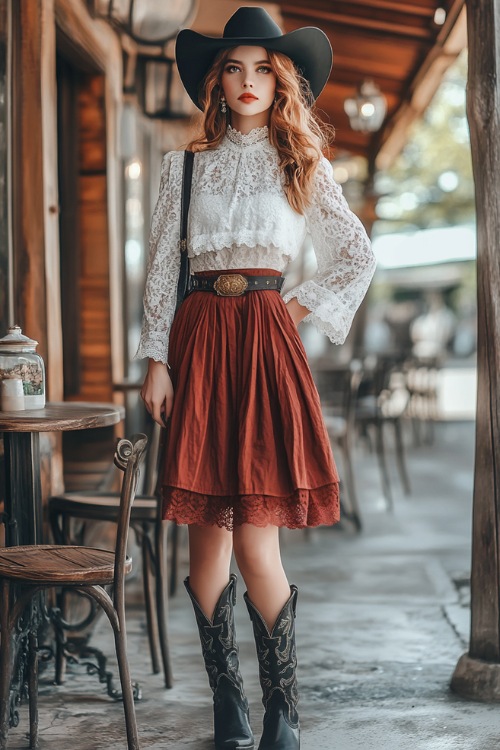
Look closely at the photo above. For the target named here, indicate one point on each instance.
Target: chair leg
(162, 599)
(174, 558)
(126, 683)
(401, 464)
(149, 597)
(350, 484)
(60, 640)
(33, 689)
(59, 524)
(416, 425)
(386, 487)
(5, 665)
(55, 527)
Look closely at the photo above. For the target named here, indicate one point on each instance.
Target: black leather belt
(235, 284)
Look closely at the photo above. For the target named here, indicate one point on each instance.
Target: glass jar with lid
(19, 359)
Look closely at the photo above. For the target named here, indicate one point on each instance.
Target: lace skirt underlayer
(246, 442)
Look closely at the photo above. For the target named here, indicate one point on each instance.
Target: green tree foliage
(431, 184)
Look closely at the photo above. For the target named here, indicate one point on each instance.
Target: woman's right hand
(157, 392)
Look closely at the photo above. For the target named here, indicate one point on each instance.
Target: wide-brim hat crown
(309, 48)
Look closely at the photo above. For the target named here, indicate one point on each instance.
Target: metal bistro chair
(150, 532)
(338, 387)
(383, 400)
(422, 384)
(34, 568)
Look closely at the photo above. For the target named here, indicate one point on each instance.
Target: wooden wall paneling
(30, 308)
(5, 169)
(95, 44)
(68, 82)
(95, 332)
(52, 477)
(51, 202)
(114, 102)
(34, 201)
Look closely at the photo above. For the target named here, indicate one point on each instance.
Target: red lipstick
(247, 96)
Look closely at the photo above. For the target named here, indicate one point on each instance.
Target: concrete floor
(382, 621)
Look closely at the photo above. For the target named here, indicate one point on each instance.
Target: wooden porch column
(477, 675)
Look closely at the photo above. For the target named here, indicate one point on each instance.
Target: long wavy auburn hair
(294, 129)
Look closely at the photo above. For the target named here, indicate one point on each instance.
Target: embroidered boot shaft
(220, 652)
(277, 671)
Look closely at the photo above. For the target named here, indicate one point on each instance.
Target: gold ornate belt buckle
(231, 285)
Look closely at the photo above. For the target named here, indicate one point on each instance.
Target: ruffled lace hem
(153, 350)
(324, 326)
(215, 241)
(301, 509)
(329, 319)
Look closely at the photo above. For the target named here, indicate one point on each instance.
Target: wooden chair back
(128, 457)
(338, 388)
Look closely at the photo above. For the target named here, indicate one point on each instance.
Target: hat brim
(309, 48)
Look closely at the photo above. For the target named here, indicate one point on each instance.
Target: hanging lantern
(366, 111)
(162, 94)
(151, 22)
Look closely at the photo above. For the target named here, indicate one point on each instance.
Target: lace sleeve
(163, 263)
(345, 260)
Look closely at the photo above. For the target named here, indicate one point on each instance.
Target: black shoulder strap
(187, 175)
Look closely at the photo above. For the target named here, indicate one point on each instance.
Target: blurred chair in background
(338, 388)
(383, 400)
(421, 381)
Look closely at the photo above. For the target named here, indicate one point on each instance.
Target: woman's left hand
(297, 311)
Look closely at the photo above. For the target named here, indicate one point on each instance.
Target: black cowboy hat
(309, 48)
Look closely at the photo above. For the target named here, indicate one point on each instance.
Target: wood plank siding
(94, 287)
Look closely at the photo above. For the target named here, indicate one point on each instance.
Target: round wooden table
(23, 492)
(23, 496)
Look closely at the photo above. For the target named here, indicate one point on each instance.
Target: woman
(247, 450)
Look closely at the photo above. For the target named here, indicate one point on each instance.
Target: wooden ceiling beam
(352, 78)
(367, 8)
(419, 8)
(371, 45)
(367, 67)
(357, 22)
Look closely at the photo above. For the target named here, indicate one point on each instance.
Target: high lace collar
(257, 135)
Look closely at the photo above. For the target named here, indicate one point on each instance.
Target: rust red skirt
(246, 442)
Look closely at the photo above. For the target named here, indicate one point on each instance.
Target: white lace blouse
(239, 218)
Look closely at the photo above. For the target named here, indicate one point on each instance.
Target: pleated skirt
(246, 441)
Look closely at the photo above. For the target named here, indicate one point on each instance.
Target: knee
(209, 550)
(254, 560)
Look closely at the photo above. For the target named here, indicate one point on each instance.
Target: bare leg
(212, 592)
(271, 605)
(210, 550)
(257, 552)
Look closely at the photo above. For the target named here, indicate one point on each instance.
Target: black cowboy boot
(277, 667)
(220, 652)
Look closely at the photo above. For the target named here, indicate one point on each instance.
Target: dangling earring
(275, 98)
(223, 107)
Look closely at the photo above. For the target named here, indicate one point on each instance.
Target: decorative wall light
(366, 111)
(440, 16)
(151, 22)
(161, 91)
